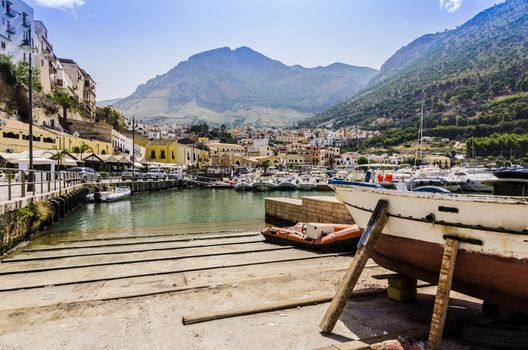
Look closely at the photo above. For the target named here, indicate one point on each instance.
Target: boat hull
(307, 186)
(263, 186)
(287, 186)
(489, 268)
(475, 186)
(244, 187)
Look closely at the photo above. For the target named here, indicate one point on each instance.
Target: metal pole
(30, 114)
(133, 149)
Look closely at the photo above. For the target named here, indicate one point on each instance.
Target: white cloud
(61, 4)
(450, 5)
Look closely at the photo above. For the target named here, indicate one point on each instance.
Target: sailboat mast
(419, 143)
(421, 131)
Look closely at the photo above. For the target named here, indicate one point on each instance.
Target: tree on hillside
(111, 117)
(66, 102)
(362, 160)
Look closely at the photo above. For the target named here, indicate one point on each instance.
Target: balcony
(11, 29)
(25, 20)
(10, 12)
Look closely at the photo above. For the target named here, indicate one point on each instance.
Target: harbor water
(179, 209)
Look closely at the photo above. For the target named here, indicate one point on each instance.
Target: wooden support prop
(442, 294)
(366, 243)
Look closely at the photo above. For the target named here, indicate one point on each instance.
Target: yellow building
(177, 152)
(290, 138)
(222, 149)
(224, 154)
(437, 159)
(14, 138)
(292, 159)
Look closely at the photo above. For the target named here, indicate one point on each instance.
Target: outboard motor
(368, 175)
(98, 197)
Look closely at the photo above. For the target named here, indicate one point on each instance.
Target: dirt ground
(130, 290)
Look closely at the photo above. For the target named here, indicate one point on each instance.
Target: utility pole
(27, 44)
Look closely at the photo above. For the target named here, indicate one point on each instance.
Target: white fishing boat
(492, 262)
(110, 195)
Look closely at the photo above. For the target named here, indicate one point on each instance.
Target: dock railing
(18, 183)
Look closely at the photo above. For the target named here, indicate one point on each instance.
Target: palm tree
(58, 155)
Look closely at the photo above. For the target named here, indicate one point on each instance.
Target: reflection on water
(173, 207)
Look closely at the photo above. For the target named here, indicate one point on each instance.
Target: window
(153, 154)
(10, 135)
(173, 155)
(162, 155)
(3, 45)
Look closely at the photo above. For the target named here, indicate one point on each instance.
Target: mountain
(464, 76)
(111, 102)
(243, 86)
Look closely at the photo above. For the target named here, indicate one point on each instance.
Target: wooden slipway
(127, 291)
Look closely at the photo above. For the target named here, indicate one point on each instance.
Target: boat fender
(430, 218)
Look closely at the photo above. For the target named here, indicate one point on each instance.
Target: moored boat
(315, 236)
(243, 186)
(307, 183)
(492, 262)
(473, 180)
(111, 195)
(263, 185)
(287, 184)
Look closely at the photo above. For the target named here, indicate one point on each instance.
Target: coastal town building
(16, 29)
(83, 85)
(225, 153)
(177, 152)
(14, 136)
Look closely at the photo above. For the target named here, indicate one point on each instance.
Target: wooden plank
(442, 294)
(186, 320)
(344, 291)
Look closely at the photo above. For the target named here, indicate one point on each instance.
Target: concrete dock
(118, 289)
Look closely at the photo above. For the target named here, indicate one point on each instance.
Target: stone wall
(23, 217)
(286, 211)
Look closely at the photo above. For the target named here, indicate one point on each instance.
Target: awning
(36, 161)
(138, 165)
(68, 162)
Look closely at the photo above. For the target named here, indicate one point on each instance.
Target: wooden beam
(186, 320)
(344, 291)
(442, 294)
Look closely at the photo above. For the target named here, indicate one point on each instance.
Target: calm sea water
(172, 208)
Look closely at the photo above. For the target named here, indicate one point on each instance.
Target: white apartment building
(154, 135)
(16, 29)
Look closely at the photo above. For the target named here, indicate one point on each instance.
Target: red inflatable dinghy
(338, 236)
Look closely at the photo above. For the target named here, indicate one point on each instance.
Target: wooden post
(344, 291)
(442, 294)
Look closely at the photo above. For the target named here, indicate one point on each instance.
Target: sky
(124, 43)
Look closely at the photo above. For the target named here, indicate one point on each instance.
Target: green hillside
(471, 78)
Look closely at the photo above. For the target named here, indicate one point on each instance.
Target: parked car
(132, 174)
(156, 174)
(86, 174)
(176, 174)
